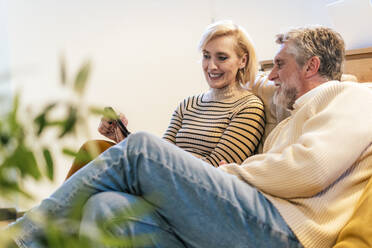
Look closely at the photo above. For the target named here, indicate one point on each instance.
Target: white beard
(286, 97)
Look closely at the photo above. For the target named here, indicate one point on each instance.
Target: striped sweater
(222, 124)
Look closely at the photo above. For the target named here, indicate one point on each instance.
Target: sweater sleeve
(242, 136)
(175, 124)
(323, 141)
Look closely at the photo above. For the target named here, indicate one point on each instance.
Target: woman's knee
(140, 137)
(142, 140)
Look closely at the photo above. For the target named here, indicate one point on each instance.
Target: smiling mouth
(214, 76)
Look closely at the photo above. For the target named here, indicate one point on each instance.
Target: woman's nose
(212, 64)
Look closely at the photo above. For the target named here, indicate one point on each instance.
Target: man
(299, 192)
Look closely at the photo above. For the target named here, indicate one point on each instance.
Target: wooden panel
(266, 65)
(358, 62)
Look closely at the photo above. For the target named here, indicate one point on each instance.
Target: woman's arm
(175, 125)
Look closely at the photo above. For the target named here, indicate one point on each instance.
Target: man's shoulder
(353, 93)
(344, 86)
(337, 87)
(348, 84)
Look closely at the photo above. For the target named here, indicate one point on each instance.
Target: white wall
(144, 53)
(5, 89)
(352, 18)
(144, 56)
(264, 19)
(5, 92)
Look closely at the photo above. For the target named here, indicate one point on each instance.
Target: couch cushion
(357, 233)
(264, 89)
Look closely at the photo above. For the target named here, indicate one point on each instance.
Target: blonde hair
(244, 45)
(322, 42)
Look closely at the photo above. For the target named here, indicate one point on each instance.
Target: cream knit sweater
(317, 161)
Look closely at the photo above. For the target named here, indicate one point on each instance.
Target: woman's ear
(243, 61)
(312, 66)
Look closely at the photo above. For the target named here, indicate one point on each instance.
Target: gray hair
(322, 42)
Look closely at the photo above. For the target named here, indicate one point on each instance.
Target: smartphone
(111, 114)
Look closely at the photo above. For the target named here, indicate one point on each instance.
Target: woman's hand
(110, 129)
(222, 162)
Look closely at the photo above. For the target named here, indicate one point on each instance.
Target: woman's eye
(206, 56)
(222, 58)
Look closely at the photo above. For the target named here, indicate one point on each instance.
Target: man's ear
(312, 66)
(243, 61)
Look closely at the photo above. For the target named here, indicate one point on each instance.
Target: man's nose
(273, 74)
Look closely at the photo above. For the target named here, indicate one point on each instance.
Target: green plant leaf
(4, 139)
(62, 70)
(69, 152)
(81, 78)
(41, 123)
(50, 107)
(41, 120)
(24, 158)
(96, 110)
(49, 163)
(12, 115)
(69, 123)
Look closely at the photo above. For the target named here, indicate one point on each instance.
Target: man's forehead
(281, 52)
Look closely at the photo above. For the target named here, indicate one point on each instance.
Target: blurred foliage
(64, 233)
(24, 156)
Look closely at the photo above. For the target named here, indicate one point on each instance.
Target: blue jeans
(195, 204)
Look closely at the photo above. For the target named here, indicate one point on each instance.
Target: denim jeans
(195, 204)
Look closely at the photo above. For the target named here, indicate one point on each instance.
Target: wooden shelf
(358, 52)
(359, 63)
(266, 65)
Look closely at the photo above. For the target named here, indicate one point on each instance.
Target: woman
(224, 124)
